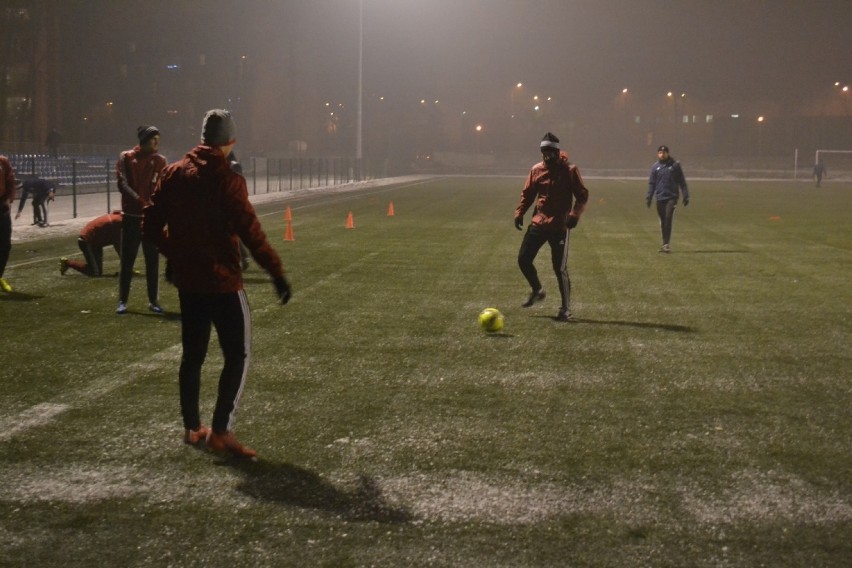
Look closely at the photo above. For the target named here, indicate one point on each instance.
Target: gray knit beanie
(218, 128)
(145, 133)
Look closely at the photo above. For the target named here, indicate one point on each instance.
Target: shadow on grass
(19, 297)
(287, 484)
(713, 251)
(169, 316)
(257, 280)
(639, 324)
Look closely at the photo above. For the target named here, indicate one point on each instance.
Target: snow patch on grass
(72, 485)
(761, 496)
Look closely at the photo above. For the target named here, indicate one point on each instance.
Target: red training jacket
(197, 216)
(103, 231)
(7, 184)
(137, 174)
(557, 193)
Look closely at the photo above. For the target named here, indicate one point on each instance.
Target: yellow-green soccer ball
(491, 320)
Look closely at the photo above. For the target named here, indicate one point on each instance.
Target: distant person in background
(41, 191)
(556, 188)
(819, 171)
(666, 184)
(7, 196)
(244, 252)
(138, 171)
(98, 233)
(54, 139)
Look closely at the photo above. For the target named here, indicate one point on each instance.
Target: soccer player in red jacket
(98, 233)
(555, 187)
(198, 214)
(137, 172)
(7, 196)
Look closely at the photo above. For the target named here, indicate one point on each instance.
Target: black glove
(685, 201)
(572, 221)
(519, 223)
(648, 202)
(282, 288)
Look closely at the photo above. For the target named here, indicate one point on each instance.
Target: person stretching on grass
(556, 188)
(42, 191)
(98, 233)
(197, 216)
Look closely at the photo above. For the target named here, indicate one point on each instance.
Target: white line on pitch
(44, 413)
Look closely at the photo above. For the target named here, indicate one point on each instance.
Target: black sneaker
(535, 297)
(564, 315)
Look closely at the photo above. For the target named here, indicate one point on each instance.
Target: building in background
(287, 69)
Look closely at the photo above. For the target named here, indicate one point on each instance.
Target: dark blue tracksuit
(665, 183)
(40, 189)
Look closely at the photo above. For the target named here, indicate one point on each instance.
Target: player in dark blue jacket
(41, 191)
(666, 183)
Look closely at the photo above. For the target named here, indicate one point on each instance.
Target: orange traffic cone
(288, 215)
(390, 209)
(288, 234)
(350, 222)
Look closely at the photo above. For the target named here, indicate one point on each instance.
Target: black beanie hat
(218, 128)
(549, 141)
(146, 132)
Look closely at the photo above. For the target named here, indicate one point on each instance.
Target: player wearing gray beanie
(198, 214)
(218, 128)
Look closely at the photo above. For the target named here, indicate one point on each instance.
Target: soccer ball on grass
(491, 320)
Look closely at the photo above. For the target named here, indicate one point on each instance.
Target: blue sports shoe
(121, 309)
(156, 308)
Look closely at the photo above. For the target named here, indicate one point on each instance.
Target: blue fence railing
(65, 170)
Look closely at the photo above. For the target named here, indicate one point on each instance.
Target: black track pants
(534, 239)
(666, 209)
(229, 314)
(131, 237)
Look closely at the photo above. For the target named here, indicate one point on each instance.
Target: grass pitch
(695, 414)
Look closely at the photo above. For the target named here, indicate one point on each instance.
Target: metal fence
(94, 176)
(268, 175)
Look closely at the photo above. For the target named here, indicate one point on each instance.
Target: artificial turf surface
(696, 413)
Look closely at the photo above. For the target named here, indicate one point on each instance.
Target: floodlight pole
(358, 142)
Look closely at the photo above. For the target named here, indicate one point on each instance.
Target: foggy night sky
(746, 49)
(736, 47)
(468, 51)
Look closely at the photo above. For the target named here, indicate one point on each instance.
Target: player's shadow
(717, 251)
(168, 316)
(256, 280)
(499, 335)
(637, 324)
(19, 297)
(288, 484)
